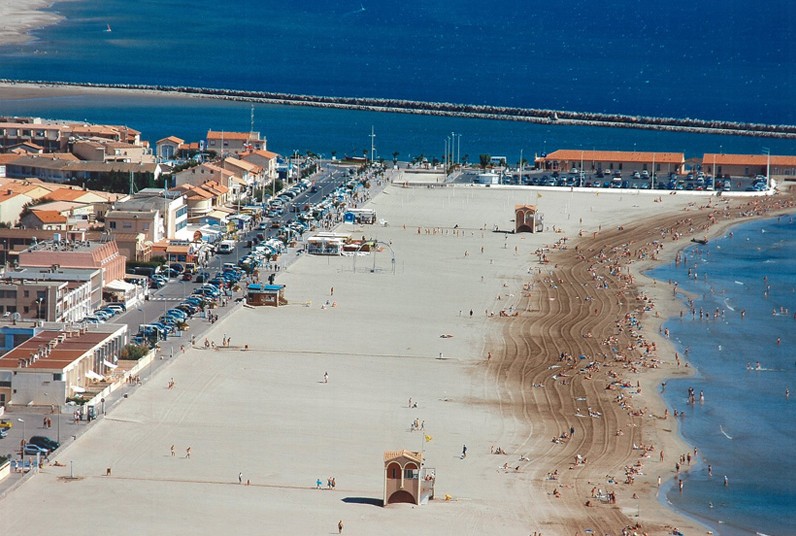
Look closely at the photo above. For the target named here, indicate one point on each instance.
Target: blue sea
(746, 426)
(731, 60)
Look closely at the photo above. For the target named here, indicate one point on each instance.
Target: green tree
(483, 160)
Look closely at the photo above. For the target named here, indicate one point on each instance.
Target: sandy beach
(416, 320)
(19, 17)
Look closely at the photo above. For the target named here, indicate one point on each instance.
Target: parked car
(187, 276)
(3, 433)
(5, 424)
(31, 450)
(44, 442)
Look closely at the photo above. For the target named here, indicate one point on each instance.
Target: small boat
(702, 241)
(108, 29)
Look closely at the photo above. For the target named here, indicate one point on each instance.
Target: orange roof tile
(49, 216)
(65, 194)
(748, 160)
(218, 135)
(574, 155)
(172, 139)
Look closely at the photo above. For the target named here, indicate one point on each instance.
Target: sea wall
(498, 113)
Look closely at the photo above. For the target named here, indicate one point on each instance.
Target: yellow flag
(428, 438)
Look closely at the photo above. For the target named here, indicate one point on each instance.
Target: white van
(226, 247)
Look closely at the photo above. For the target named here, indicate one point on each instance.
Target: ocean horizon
(744, 314)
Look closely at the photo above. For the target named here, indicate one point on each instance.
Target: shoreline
(671, 301)
(26, 15)
(668, 302)
(443, 109)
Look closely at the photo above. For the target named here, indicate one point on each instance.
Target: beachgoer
(240, 478)
(188, 452)
(172, 450)
(325, 377)
(340, 527)
(464, 451)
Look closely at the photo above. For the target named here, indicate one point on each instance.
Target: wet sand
(19, 17)
(398, 328)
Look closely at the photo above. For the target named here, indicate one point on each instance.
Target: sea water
(744, 284)
(347, 132)
(618, 57)
(711, 59)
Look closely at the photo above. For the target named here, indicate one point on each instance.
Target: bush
(134, 352)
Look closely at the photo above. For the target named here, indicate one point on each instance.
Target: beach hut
(528, 219)
(270, 295)
(405, 478)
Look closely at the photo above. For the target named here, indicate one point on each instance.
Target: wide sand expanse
(398, 326)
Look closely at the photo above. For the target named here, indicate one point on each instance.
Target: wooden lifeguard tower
(405, 478)
(270, 295)
(528, 219)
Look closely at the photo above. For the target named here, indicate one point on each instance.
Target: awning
(119, 285)
(109, 364)
(93, 375)
(77, 389)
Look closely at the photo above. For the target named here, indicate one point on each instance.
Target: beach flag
(428, 438)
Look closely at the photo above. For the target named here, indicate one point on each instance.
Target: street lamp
(23, 431)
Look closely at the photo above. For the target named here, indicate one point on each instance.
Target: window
(58, 377)
(112, 224)
(26, 294)
(26, 309)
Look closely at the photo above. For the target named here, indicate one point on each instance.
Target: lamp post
(23, 432)
(768, 167)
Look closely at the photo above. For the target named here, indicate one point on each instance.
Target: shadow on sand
(363, 500)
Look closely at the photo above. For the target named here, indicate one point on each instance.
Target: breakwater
(476, 111)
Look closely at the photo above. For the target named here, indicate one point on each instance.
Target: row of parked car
(104, 314)
(175, 319)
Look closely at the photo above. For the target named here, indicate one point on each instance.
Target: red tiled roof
(172, 139)
(748, 160)
(574, 155)
(49, 216)
(66, 194)
(217, 135)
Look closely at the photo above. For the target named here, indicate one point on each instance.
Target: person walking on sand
(172, 451)
(340, 527)
(325, 377)
(240, 478)
(464, 451)
(188, 452)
